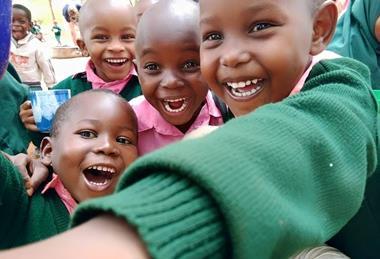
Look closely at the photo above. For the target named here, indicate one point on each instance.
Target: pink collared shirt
(155, 132)
(62, 192)
(116, 86)
(315, 59)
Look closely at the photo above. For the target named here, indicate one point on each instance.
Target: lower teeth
(169, 109)
(237, 93)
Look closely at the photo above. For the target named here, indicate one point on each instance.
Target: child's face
(20, 24)
(254, 52)
(94, 146)
(169, 72)
(109, 35)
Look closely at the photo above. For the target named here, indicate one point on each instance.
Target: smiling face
(168, 63)
(257, 53)
(93, 146)
(21, 24)
(108, 30)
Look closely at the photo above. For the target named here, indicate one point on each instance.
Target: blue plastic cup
(44, 105)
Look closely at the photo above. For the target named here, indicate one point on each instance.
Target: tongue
(175, 105)
(246, 89)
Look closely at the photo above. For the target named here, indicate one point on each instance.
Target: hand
(32, 170)
(26, 116)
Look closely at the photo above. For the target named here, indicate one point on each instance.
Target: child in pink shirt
(176, 99)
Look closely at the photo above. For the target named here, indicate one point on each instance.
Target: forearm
(102, 237)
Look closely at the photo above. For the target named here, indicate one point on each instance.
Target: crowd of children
(295, 170)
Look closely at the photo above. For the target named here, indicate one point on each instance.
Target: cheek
(377, 29)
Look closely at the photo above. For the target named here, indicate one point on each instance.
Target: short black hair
(25, 9)
(64, 111)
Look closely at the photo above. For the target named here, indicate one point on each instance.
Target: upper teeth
(120, 60)
(243, 84)
(102, 168)
(174, 100)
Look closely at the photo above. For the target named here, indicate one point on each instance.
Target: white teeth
(121, 60)
(243, 84)
(103, 168)
(169, 109)
(237, 93)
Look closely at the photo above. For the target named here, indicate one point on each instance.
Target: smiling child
(87, 151)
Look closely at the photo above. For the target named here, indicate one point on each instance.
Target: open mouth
(116, 61)
(175, 105)
(245, 89)
(98, 177)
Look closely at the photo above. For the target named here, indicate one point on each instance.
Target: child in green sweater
(108, 29)
(268, 184)
(87, 151)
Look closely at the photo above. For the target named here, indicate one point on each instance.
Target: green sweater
(14, 137)
(288, 176)
(22, 219)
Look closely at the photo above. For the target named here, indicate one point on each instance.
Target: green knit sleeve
(173, 217)
(13, 203)
(285, 177)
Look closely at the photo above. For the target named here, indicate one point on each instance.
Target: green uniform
(23, 219)
(14, 137)
(289, 175)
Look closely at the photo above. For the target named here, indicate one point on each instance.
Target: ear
(377, 29)
(82, 47)
(325, 19)
(46, 150)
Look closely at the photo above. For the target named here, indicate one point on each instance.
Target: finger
(39, 175)
(26, 105)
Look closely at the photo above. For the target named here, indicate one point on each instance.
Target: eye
(128, 37)
(260, 26)
(87, 134)
(213, 36)
(100, 37)
(191, 66)
(123, 140)
(152, 67)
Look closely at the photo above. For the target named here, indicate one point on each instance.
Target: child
(27, 52)
(109, 40)
(355, 36)
(176, 98)
(88, 149)
(265, 185)
(57, 33)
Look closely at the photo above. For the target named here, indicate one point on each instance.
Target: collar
(116, 86)
(149, 118)
(315, 59)
(29, 36)
(57, 185)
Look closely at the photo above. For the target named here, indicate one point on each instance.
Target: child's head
(143, 5)
(21, 21)
(108, 29)
(253, 52)
(93, 139)
(167, 54)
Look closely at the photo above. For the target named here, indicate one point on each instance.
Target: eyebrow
(97, 122)
(186, 48)
(257, 7)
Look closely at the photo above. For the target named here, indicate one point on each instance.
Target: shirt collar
(116, 86)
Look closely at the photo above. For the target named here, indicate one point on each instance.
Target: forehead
(19, 12)
(98, 106)
(208, 6)
(170, 29)
(119, 13)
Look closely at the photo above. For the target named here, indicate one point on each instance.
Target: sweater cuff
(173, 217)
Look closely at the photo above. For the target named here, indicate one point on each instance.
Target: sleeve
(13, 202)
(45, 65)
(285, 177)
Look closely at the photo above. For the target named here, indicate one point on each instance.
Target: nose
(116, 45)
(106, 145)
(234, 57)
(171, 80)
